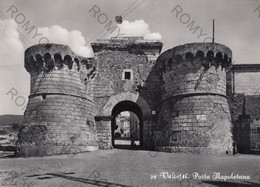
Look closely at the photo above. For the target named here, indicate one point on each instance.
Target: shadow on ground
(231, 184)
(129, 147)
(77, 179)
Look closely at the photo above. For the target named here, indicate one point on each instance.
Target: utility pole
(213, 33)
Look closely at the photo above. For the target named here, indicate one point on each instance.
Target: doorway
(127, 126)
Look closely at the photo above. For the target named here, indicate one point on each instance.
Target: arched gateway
(116, 104)
(127, 96)
(127, 101)
(132, 107)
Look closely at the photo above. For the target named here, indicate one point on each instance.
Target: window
(127, 75)
(43, 96)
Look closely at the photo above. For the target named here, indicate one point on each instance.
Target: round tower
(194, 114)
(59, 117)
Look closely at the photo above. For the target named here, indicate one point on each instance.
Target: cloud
(153, 36)
(138, 28)
(13, 42)
(74, 39)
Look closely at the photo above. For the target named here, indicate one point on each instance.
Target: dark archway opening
(127, 131)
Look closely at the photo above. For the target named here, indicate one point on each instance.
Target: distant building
(134, 126)
(123, 126)
(244, 101)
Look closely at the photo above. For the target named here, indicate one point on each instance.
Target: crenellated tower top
(137, 45)
(45, 57)
(205, 54)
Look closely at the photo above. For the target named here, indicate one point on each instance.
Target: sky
(77, 23)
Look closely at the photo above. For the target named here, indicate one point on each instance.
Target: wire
(245, 50)
(128, 8)
(134, 8)
(122, 14)
(126, 15)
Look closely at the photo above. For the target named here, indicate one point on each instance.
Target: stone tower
(59, 117)
(194, 113)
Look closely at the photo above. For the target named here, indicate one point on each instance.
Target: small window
(43, 96)
(127, 75)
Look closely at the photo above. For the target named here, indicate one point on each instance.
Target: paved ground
(128, 168)
(125, 142)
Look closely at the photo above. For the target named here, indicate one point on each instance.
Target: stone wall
(243, 96)
(104, 132)
(243, 79)
(194, 113)
(59, 118)
(255, 136)
(179, 97)
(116, 56)
(245, 113)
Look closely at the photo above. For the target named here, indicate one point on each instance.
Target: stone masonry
(178, 96)
(194, 113)
(59, 117)
(244, 107)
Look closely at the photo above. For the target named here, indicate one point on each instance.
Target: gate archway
(127, 96)
(131, 107)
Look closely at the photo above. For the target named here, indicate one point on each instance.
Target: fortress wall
(179, 96)
(59, 118)
(115, 56)
(194, 113)
(137, 56)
